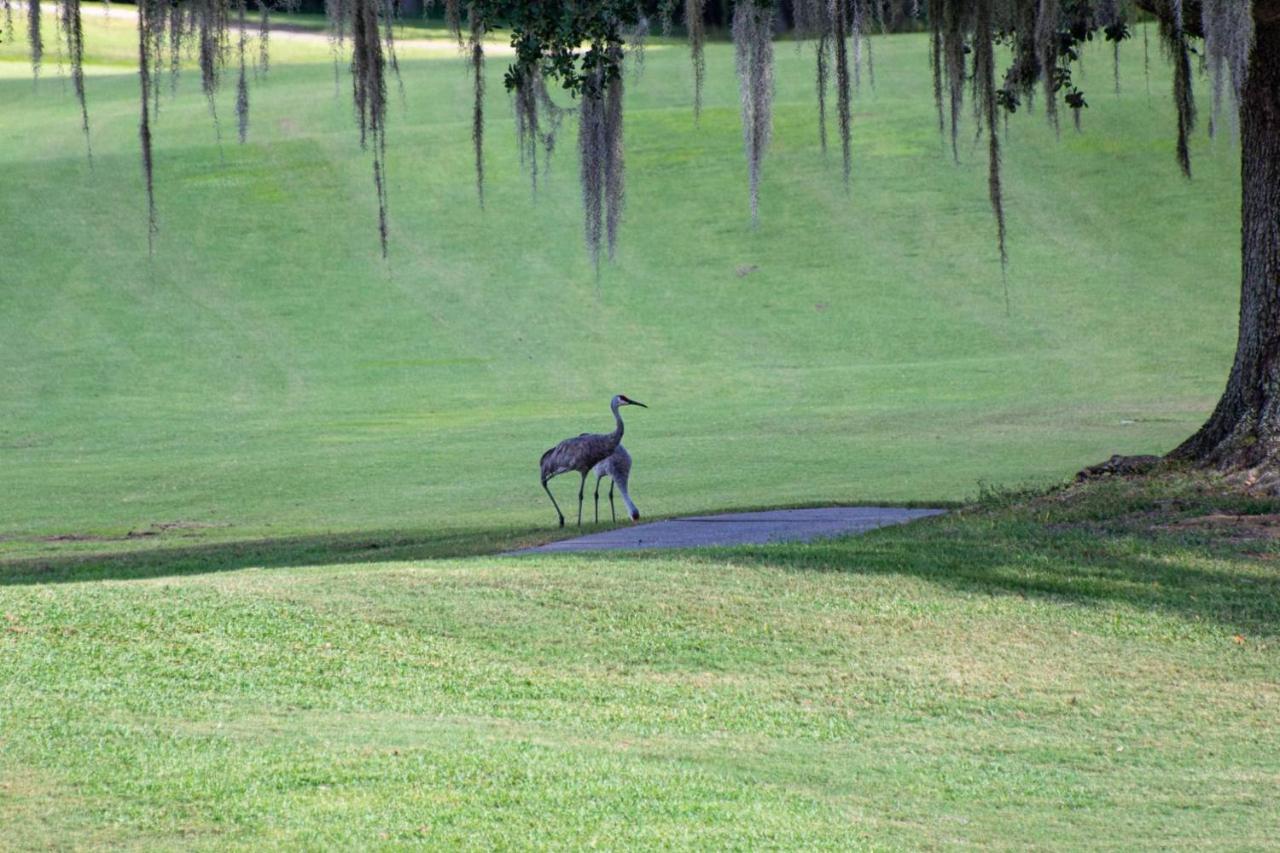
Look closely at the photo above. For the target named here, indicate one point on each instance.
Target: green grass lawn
(266, 374)
(1062, 673)
(249, 488)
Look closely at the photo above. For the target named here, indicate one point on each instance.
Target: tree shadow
(1229, 583)
(151, 559)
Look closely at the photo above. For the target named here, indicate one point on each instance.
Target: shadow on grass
(1066, 558)
(124, 558)
(158, 559)
(1201, 579)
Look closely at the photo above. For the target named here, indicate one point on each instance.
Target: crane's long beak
(637, 403)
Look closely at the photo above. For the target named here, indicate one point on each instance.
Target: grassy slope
(267, 374)
(1052, 673)
(1061, 674)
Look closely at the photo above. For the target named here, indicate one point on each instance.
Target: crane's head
(624, 400)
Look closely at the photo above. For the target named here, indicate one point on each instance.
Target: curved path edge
(741, 528)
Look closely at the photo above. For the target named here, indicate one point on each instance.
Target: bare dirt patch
(1230, 526)
(159, 528)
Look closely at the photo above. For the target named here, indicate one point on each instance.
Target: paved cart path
(741, 528)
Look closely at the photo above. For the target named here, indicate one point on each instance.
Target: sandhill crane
(618, 469)
(583, 453)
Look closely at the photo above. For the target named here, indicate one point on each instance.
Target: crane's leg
(553, 502)
(598, 477)
(582, 487)
(613, 514)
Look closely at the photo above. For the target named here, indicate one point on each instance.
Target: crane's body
(583, 453)
(617, 467)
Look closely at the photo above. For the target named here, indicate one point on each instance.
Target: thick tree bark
(1243, 433)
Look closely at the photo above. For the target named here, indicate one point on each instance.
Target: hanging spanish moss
(148, 11)
(693, 22)
(1111, 19)
(862, 17)
(753, 52)
(1146, 57)
(844, 113)
(935, 65)
(8, 20)
(475, 39)
(636, 38)
(73, 35)
(34, 39)
(211, 34)
(855, 36)
(601, 157)
(337, 13)
(538, 120)
(813, 20)
(667, 16)
(264, 37)
(369, 86)
(871, 59)
(985, 86)
(453, 17)
(242, 84)
(954, 25)
(175, 48)
(1174, 39)
(614, 166)
(390, 17)
(1228, 39)
(1046, 40)
(823, 73)
(1043, 36)
(525, 101)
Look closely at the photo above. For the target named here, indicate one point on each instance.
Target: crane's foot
(562, 521)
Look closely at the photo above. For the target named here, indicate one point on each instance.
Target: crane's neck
(616, 437)
(621, 483)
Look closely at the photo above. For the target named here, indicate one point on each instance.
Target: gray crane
(618, 469)
(583, 453)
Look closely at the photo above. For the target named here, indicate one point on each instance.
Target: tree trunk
(1243, 433)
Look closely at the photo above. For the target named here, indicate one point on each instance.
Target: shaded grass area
(1047, 671)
